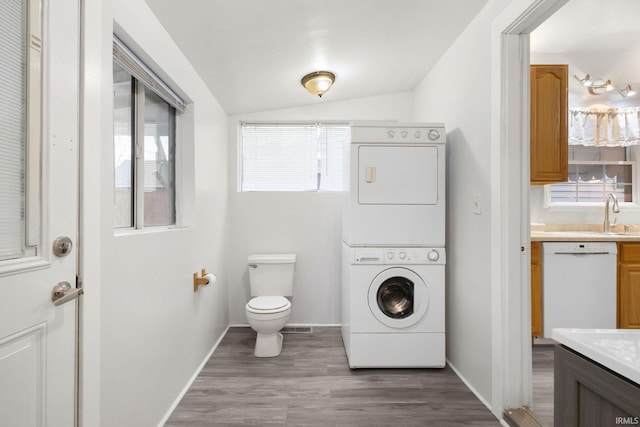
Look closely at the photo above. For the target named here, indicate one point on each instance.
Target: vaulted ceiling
(600, 38)
(253, 53)
(590, 26)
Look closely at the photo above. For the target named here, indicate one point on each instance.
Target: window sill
(123, 232)
(587, 205)
(583, 207)
(295, 191)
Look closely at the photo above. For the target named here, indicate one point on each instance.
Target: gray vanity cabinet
(587, 394)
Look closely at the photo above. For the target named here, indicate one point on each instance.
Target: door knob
(63, 292)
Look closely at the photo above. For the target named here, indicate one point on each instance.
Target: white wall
(598, 65)
(458, 92)
(148, 331)
(308, 224)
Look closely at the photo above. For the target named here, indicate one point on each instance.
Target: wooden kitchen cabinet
(549, 116)
(536, 289)
(628, 285)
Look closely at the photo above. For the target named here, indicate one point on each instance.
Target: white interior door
(37, 337)
(402, 175)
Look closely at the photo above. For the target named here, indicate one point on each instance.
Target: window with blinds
(603, 152)
(13, 125)
(294, 157)
(595, 172)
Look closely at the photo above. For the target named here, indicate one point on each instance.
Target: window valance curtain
(611, 127)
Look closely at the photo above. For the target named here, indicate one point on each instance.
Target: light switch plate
(477, 204)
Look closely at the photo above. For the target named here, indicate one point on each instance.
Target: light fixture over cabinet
(598, 86)
(318, 82)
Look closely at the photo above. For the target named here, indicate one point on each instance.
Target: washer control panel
(398, 256)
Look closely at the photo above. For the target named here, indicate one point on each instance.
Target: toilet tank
(271, 274)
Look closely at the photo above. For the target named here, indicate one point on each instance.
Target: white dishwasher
(579, 285)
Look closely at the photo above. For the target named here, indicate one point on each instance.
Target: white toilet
(271, 280)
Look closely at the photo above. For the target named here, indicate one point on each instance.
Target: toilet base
(268, 345)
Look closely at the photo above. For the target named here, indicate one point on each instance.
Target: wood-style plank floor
(542, 357)
(310, 384)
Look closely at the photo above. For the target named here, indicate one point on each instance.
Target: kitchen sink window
(595, 172)
(603, 150)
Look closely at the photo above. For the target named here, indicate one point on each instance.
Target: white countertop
(617, 349)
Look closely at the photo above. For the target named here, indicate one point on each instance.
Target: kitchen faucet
(616, 209)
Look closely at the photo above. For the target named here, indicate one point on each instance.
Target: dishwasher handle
(581, 253)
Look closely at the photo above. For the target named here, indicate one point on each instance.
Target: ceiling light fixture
(318, 82)
(598, 87)
(627, 91)
(585, 81)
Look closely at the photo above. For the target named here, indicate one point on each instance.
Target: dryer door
(399, 175)
(398, 297)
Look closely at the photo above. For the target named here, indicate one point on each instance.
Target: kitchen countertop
(616, 349)
(584, 233)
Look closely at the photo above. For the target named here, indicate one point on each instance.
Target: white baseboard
(186, 388)
(294, 325)
(475, 392)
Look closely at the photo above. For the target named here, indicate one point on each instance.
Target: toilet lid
(265, 303)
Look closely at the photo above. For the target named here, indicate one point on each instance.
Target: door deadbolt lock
(62, 246)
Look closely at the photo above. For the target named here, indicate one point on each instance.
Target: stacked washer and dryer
(393, 251)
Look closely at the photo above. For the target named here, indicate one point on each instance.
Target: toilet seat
(268, 305)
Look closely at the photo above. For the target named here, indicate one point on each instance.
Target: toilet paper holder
(200, 281)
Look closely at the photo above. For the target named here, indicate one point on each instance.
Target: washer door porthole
(398, 298)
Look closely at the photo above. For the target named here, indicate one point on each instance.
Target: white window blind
(13, 83)
(294, 157)
(595, 172)
(130, 62)
(145, 187)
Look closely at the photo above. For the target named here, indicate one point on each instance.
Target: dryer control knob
(433, 255)
(404, 133)
(433, 134)
(391, 134)
(402, 255)
(389, 255)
